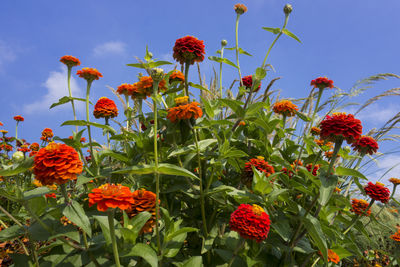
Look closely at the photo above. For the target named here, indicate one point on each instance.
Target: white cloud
(375, 114)
(7, 54)
(389, 164)
(112, 47)
(56, 85)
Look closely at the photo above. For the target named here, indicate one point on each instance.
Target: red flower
(359, 207)
(111, 196)
(315, 170)
(365, 144)
(70, 61)
(6, 147)
(286, 108)
(251, 222)
(24, 148)
(377, 191)
(56, 163)
(185, 112)
(89, 74)
(396, 236)
(188, 49)
(19, 118)
(144, 200)
(341, 125)
(105, 108)
(248, 82)
(260, 164)
(51, 195)
(322, 82)
(125, 89)
(1, 124)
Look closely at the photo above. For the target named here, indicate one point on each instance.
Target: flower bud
(157, 74)
(288, 9)
(240, 9)
(224, 42)
(18, 156)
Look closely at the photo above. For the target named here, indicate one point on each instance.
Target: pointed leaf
(273, 30)
(290, 34)
(349, 172)
(144, 251)
(222, 60)
(75, 213)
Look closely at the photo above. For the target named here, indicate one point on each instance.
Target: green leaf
(115, 155)
(290, 34)
(158, 63)
(303, 116)
(234, 105)
(273, 30)
(241, 51)
(198, 86)
(254, 108)
(222, 60)
(37, 192)
(22, 167)
(105, 228)
(134, 226)
(83, 180)
(144, 251)
(181, 231)
(137, 65)
(314, 229)
(349, 172)
(170, 169)
(207, 107)
(328, 184)
(75, 213)
(66, 99)
(260, 74)
(194, 261)
(11, 233)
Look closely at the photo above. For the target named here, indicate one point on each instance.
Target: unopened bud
(157, 74)
(18, 156)
(240, 9)
(288, 9)
(224, 42)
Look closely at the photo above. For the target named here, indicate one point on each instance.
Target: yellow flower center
(257, 210)
(51, 146)
(378, 183)
(339, 113)
(182, 100)
(103, 97)
(260, 157)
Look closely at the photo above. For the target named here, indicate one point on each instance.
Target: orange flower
(125, 89)
(89, 74)
(105, 108)
(1, 124)
(322, 82)
(188, 49)
(111, 196)
(34, 147)
(286, 108)
(396, 236)
(144, 88)
(323, 143)
(185, 112)
(359, 207)
(394, 181)
(240, 9)
(3, 132)
(144, 200)
(70, 61)
(18, 118)
(242, 123)
(47, 134)
(176, 76)
(337, 190)
(56, 163)
(315, 131)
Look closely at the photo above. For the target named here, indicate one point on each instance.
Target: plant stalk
(110, 214)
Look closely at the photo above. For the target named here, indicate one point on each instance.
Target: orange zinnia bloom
(125, 89)
(105, 108)
(285, 107)
(111, 196)
(70, 61)
(240, 8)
(18, 118)
(394, 181)
(359, 207)
(185, 112)
(144, 200)
(396, 236)
(56, 163)
(315, 131)
(176, 76)
(89, 74)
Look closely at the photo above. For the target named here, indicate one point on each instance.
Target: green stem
(156, 174)
(202, 204)
(238, 248)
(65, 194)
(220, 71)
(89, 83)
(110, 214)
(34, 253)
(338, 145)
(16, 131)
(128, 119)
(70, 95)
(276, 39)
(186, 79)
(237, 48)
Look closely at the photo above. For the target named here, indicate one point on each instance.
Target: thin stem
(128, 119)
(156, 174)
(203, 212)
(34, 253)
(89, 83)
(238, 248)
(276, 39)
(220, 71)
(237, 48)
(110, 214)
(70, 94)
(187, 65)
(65, 194)
(316, 106)
(16, 131)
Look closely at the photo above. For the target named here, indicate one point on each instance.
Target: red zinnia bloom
(83, 140)
(144, 200)
(341, 125)
(125, 89)
(19, 118)
(56, 163)
(51, 195)
(105, 108)
(1, 124)
(89, 74)
(185, 112)
(251, 222)
(377, 191)
(286, 108)
(6, 147)
(359, 207)
(24, 148)
(111, 196)
(315, 170)
(260, 164)
(70, 61)
(322, 82)
(176, 76)
(365, 144)
(248, 82)
(34, 147)
(189, 49)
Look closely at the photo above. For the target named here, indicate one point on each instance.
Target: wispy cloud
(112, 47)
(376, 114)
(7, 54)
(56, 85)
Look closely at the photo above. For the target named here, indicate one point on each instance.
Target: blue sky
(344, 40)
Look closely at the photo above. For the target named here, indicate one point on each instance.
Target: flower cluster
(377, 191)
(185, 112)
(322, 82)
(111, 196)
(359, 207)
(365, 145)
(144, 201)
(247, 81)
(251, 222)
(341, 125)
(56, 163)
(70, 61)
(285, 108)
(189, 50)
(105, 108)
